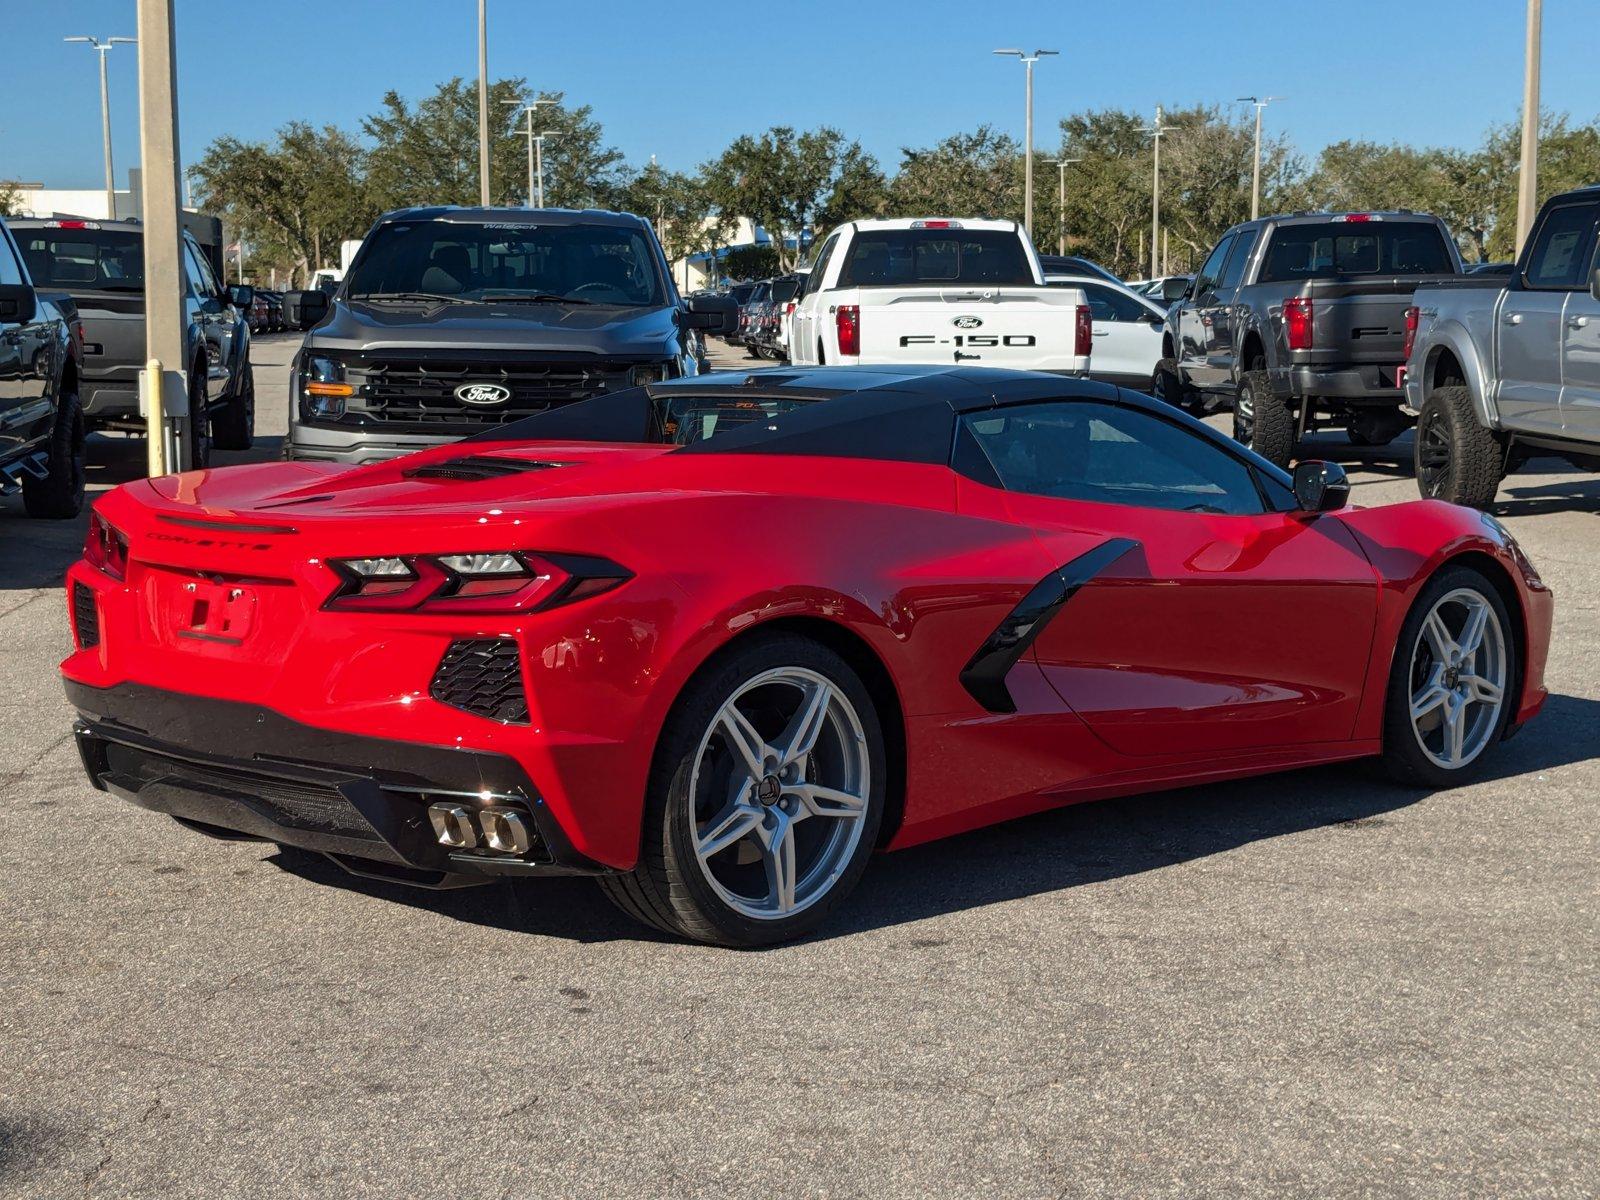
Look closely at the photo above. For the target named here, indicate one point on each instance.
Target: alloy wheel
(1244, 415)
(1433, 455)
(779, 791)
(1458, 678)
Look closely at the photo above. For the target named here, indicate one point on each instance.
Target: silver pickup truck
(1500, 368)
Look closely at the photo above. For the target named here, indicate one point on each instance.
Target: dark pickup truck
(451, 321)
(1299, 322)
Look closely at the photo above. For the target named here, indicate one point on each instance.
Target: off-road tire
(1473, 458)
(1261, 420)
(667, 890)
(199, 417)
(59, 495)
(233, 426)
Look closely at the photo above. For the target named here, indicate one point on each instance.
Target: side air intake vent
(483, 677)
(85, 617)
(479, 466)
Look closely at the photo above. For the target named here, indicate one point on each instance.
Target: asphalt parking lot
(1314, 984)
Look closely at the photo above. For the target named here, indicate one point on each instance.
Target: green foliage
(10, 199)
(750, 262)
(976, 174)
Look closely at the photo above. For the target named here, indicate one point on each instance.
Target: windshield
(908, 257)
(689, 419)
(110, 260)
(1335, 248)
(575, 264)
(784, 290)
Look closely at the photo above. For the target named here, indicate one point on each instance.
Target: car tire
(233, 426)
(686, 883)
(1261, 420)
(199, 418)
(1456, 457)
(1166, 384)
(59, 495)
(1416, 717)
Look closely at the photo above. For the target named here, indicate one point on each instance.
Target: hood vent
(479, 466)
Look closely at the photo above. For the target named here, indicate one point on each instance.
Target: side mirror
(302, 310)
(1594, 283)
(241, 295)
(714, 314)
(1175, 289)
(1320, 486)
(17, 303)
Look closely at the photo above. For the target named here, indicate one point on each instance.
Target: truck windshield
(544, 264)
(1337, 248)
(909, 257)
(102, 260)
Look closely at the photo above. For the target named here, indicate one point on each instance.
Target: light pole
(1027, 152)
(528, 106)
(1061, 201)
(1260, 102)
(483, 103)
(1158, 129)
(1528, 172)
(104, 48)
(538, 156)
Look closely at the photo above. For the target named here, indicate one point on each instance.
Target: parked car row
(266, 314)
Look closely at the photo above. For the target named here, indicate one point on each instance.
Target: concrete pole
(538, 154)
(530, 156)
(1528, 174)
(483, 103)
(105, 136)
(1061, 209)
(1255, 170)
(1027, 157)
(163, 277)
(1155, 204)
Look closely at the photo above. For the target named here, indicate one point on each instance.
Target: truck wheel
(199, 418)
(59, 495)
(1262, 421)
(233, 427)
(1166, 384)
(1457, 459)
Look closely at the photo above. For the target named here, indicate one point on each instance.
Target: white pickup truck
(935, 290)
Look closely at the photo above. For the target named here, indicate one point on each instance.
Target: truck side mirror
(17, 303)
(302, 310)
(1594, 283)
(1320, 486)
(241, 295)
(715, 314)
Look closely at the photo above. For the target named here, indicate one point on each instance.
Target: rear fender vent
(479, 466)
(85, 616)
(483, 676)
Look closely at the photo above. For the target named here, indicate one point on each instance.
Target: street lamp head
(1044, 53)
(90, 40)
(1016, 53)
(125, 41)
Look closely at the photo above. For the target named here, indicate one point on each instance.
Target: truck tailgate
(1031, 328)
(113, 333)
(1363, 321)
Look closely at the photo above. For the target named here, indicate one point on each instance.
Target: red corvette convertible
(716, 640)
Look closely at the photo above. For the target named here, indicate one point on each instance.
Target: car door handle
(1512, 319)
(1577, 322)
(1101, 332)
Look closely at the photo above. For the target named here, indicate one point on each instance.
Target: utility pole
(1061, 201)
(164, 321)
(1027, 151)
(1158, 129)
(528, 106)
(104, 48)
(1260, 102)
(538, 155)
(483, 103)
(1528, 174)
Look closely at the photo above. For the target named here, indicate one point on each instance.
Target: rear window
(1338, 248)
(902, 257)
(107, 260)
(686, 420)
(785, 290)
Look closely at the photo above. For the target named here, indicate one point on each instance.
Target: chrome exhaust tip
(453, 826)
(505, 830)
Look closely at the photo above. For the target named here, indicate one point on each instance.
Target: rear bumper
(360, 800)
(1367, 383)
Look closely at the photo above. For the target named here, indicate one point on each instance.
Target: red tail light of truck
(1413, 314)
(847, 319)
(1083, 341)
(1297, 322)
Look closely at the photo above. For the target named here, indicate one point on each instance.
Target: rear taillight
(104, 548)
(1412, 316)
(1297, 322)
(1083, 340)
(847, 319)
(788, 309)
(496, 582)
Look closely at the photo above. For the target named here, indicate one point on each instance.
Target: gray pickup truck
(1299, 322)
(100, 264)
(1500, 368)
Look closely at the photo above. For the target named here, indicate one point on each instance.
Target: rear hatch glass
(689, 419)
(958, 257)
(1340, 249)
(104, 260)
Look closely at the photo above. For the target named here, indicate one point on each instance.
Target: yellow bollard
(155, 419)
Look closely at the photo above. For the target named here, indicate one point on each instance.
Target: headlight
(323, 390)
(647, 373)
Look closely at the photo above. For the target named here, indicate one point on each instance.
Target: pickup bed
(937, 290)
(1502, 367)
(1299, 322)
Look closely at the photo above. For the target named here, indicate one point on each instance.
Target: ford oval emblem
(967, 322)
(483, 394)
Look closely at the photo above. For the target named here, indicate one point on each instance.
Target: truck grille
(425, 393)
(483, 677)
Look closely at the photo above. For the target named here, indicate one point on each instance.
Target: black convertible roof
(897, 414)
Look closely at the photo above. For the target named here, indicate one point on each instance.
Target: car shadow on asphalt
(1051, 852)
(1577, 492)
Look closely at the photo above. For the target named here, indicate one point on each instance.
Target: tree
(783, 180)
(427, 153)
(294, 199)
(10, 199)
(966, 175)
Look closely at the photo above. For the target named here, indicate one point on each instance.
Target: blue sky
(664, 81)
